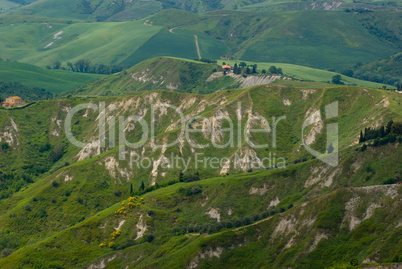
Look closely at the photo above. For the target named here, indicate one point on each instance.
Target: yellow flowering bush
(120, 211)
(112, 244)
(116, 234)
(102, 245)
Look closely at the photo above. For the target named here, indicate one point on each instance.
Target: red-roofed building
(227, 68)
(13, 101)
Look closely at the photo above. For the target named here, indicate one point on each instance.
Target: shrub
(194, 190)
(256, 217)
(112, 245)
(151, 213)
(282, 209)
(150, 238)
(389, 181)
(246, 220)
(265, 214)
(4, 145)
(238, 223)
(28, 208)
(55, 184)
(190, 229)
(117, 193)
(229, 224)
(290, 206)
(6, 252)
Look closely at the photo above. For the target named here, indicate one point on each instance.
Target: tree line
(392, 127)
(85, 66)
(360, 72)
(245, 69)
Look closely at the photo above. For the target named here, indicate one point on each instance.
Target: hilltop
(67, 202)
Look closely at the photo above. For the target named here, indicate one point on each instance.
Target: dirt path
(198, 47)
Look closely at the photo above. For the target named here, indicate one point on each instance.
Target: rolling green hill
(56, 212)
(55, 81)
(307, 73)
(183, 75)
(387, 71)
(109, 43)
(340, 39)
(159, 74)
(122, 10)
(294, 37)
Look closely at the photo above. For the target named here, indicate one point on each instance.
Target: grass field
(296, 37)
(103, 43)
(306, 73)
(54, 81)
(6, 5)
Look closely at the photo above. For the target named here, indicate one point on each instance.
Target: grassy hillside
(59, 202)
(343, 215)
(120, 11)
(6, 5)
(296, 37)
(8, 89)
(387, 71)
(55, 81)
(306, 73)
(159, 74)
(125, 43)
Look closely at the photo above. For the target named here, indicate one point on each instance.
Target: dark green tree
(57, 65)
(142, 187)
(337, 79)
(254, 69)
(361, 139)
(389, 126)
(272, 70)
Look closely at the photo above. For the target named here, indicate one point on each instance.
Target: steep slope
(340, 213)
(60, 204)
(32, 134)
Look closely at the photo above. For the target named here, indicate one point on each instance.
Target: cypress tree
(142, 187)
(361, 139)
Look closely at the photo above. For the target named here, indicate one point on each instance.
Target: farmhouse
(226, 68)
(14, 101)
